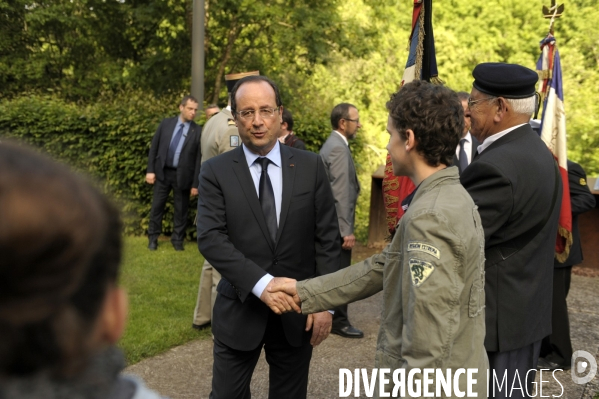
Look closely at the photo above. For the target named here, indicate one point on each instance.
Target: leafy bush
(109, 140)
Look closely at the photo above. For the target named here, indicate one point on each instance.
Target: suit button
(275, 261)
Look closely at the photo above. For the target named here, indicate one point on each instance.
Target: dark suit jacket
(582, 201)
(189, 160)
(234, 238)
(512, 182)
(475, 144)
(293, 141)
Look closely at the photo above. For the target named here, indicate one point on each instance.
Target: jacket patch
(420, 271)
(234, 141)
(583, 182)
(422, 247)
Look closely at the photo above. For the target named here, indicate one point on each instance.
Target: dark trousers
(289, 366)
(340, 318)
(162, 189)
(557, 347)
(522, 360)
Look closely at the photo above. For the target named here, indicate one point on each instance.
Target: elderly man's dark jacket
(234, 238)
(513, 183)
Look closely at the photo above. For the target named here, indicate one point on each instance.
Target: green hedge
(109, 140)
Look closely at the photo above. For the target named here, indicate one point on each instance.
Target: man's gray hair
(523, 105)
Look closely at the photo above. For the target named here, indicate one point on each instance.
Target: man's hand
(348, 242)
(286, 285)
(194, 192)
(321, 324)
(150, 178)
(279, 302)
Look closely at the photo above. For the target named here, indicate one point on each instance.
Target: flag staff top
(552, 13)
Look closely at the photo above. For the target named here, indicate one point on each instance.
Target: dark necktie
(170, 156)
(463, 159)
(267, 199)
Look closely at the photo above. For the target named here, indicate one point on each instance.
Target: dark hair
(341, 111)
(185, 99)
(212, 106)
(249, 79)
(463, 96)
(436, 116)
(288, 118)
(60, 241)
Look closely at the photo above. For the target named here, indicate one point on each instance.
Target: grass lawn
(162, 287)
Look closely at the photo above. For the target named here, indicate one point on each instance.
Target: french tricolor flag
(553, 133)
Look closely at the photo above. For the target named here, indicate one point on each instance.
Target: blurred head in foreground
(60, 250)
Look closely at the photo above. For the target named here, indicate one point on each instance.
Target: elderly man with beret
(515, 183)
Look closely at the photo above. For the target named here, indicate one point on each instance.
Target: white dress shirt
(276, 178)
(491, 139)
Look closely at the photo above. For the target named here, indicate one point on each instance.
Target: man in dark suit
(265, 210)
(515, 184)
(341, 171)
(556, 349)
(466, 149)
(174, 164)
(287, 136)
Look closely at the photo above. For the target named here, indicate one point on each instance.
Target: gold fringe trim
(437, 81)
(420, 46)
(561, 257)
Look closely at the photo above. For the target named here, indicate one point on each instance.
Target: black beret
(232, 78)
(505, 80)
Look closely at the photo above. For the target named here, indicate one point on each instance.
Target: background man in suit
(174, 164)
(264, 210)
(556, 349)
(464, 153)
(219, 136)
(287, 136)
(341, 172)
(514, 182)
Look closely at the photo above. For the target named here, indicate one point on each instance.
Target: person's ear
(113, 315)
(502, 109)
(410, 139)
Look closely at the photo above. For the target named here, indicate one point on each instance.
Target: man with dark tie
(265, 210)
(464, 153)
(174, 164)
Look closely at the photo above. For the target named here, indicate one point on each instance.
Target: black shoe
(348, 332)
(178, 246)
(200, 326)
(153, 245)
(549, 365)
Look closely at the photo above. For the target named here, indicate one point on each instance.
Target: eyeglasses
(471, 103)
(353, 120)
(249, 114)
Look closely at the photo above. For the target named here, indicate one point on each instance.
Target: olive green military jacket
(432, 277)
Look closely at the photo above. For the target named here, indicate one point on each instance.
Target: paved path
(186, 371)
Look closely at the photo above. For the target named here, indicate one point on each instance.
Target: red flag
(421, 65)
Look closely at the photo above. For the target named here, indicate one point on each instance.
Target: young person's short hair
(436, 116)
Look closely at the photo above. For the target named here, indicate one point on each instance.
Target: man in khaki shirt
(433, 269)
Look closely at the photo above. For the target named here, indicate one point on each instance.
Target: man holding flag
(517, 187)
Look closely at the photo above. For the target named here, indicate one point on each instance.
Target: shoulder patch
(420, 271)
(583, 182)
(423, 247)
(234, 141)
(230, 122)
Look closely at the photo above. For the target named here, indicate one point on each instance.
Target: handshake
(280, 295)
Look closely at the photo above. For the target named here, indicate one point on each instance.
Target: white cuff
(261, 285)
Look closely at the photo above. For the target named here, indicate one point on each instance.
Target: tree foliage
(97, 52)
